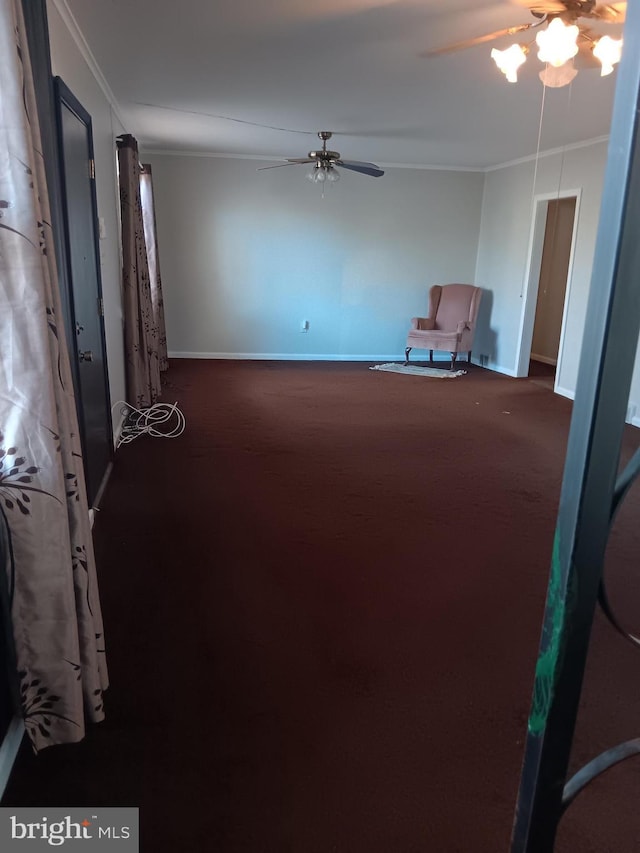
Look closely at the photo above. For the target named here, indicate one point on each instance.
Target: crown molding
(76, 34)
(172, 152)
(178, 152)
(597, 140)
(432, 168)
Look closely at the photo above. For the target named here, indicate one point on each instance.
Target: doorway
(548, 281)
(552, 286)
(87, 346)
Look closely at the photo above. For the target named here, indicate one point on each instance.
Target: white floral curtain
(151, 242)
(55, 607)
(141, 335)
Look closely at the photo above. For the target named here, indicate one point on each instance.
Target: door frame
(37, 29)
(532, 277)
(64, 96)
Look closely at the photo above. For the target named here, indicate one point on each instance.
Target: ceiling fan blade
(613, 13)
(463, 45)
(279, 166)
(363, 168)
(288, 163)
(542, 7)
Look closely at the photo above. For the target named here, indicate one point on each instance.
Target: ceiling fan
(560, 36)
(325, 162)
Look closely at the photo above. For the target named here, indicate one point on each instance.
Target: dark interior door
(81, 227)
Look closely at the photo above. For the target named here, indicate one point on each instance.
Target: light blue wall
(505, 242)
(504, 249)
(247, 255)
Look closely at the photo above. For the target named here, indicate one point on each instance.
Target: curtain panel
(151, 241)
(51, 575)
(140, 329)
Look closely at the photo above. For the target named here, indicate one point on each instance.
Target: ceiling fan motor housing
(324, 155)
(327, 156)
(574, 9)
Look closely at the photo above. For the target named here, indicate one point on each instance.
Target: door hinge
(101, 306)
(92, 170)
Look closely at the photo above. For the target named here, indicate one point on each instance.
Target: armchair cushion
(422, 324)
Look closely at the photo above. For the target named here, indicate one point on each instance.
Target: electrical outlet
(304, 326)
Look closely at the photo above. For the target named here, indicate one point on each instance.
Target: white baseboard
(9, 749)
(96, 503)
(103, 486)
(498, 368)
(571, 395)
(271, 356)
(565, 392)
(117, 429)
(544, 359)
(285, 356)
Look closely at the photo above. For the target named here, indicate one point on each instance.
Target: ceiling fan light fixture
(608, 51)
(509, 60)
(323, 172)
(556, 78)
(318, 174)
(558, 43)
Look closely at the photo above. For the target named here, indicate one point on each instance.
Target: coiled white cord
(161, 420)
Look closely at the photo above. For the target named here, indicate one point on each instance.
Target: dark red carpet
(323, 605)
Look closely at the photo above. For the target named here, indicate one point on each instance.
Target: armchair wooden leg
(406, 354)
(469, 357)
(430, 355)
(453, 360)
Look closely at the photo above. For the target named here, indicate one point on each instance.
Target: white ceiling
(260, 77)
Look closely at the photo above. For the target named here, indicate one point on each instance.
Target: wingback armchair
(451, 324)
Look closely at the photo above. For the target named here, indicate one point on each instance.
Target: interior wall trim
(117, 427)
(500, 368)
(543, 358)
(533, 268)
(226, 155)
(292, 356)
(571, 395)
(178, 152)
(307, 356)
(9, 749)
(439, 357)
(76, 34)
(551, 152)
(565, 392)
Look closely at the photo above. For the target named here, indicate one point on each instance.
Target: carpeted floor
(322, 607)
